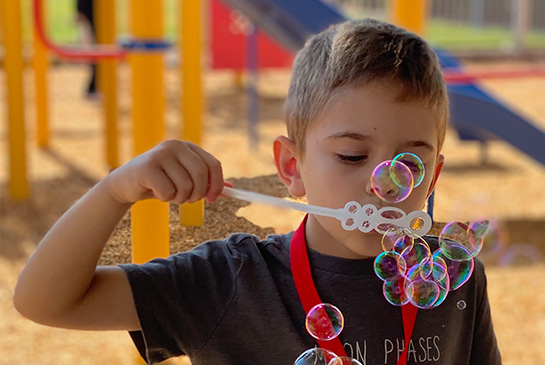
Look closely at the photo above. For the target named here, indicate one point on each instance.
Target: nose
(384, 188)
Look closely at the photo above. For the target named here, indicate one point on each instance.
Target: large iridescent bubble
(425, 291)
(462, 241)
(324, 321)
(315, 356)
(414, 163)
(390, 265)
(392, 181)
(397, 291)
(459, 272)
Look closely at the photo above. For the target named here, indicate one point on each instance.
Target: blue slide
(474, 114)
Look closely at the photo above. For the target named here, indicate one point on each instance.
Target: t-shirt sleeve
(181, 299)
(484, 348)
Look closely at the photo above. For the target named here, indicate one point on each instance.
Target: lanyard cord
(302, 276)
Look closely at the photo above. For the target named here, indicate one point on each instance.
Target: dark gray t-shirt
(234, 302)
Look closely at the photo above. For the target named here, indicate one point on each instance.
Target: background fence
(472, 25)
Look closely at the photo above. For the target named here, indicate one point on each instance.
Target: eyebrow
(425, 144)
(363, 137)
(351, 135)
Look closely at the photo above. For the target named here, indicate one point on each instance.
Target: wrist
(108, 187)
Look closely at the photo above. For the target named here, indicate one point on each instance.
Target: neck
(349, 245)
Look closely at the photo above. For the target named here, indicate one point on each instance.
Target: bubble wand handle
(251, 197)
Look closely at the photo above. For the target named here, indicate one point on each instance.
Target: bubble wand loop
(352, 216)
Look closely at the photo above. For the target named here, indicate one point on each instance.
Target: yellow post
(10, 12)
(192, 101)
(40, 65)
(150, 218)
(107, 79)
(410, 14)
(239, 82)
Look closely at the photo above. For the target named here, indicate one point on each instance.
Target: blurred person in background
(86, 24)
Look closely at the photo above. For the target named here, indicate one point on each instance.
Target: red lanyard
(302, 276)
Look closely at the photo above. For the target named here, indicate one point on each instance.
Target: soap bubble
(391, 236)
(389, 265)
(417, 252)
(344, 360)
(404, 243)
(392, 181)
(315, 356)
(424, 291)
(493, 241)
(324, 321)
(439, 275)
(461, 241)
(397, 291)
(458, 271)
(478, 229)
(414, 163)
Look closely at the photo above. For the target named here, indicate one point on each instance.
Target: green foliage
(457, 36)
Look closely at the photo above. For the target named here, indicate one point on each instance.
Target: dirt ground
(508, 189)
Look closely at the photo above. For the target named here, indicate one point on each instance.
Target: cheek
(418, 196)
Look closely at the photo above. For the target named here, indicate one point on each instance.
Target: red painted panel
(229, 38)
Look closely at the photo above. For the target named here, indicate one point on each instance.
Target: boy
(361, 92)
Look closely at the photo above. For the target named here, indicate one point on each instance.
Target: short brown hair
(355, 53)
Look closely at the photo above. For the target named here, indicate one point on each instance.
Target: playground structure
(476, 115)
(149, 218)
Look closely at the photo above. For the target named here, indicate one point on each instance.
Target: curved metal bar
(74, 53)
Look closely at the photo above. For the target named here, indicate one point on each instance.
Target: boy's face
(363, 127)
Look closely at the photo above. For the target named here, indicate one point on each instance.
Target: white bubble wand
(353, 216)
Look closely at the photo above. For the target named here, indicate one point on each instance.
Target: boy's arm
(61, 285)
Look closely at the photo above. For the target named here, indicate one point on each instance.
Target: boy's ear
(438, 168)
(285, 157)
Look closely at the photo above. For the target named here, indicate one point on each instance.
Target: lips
(391, 214)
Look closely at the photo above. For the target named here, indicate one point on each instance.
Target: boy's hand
(174, 171)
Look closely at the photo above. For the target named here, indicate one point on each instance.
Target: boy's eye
(412, 165)
(351, 158)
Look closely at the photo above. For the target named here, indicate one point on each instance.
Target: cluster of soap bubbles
(324, 322)
(410, 271)
(413, 273)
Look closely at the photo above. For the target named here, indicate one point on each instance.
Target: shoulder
(216, 257)
(239, 245)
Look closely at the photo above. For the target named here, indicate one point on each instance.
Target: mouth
(392, 213)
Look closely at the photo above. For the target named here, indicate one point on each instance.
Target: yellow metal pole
(410, 14)
(149, 218)
(40, 65)
(107, 79)
(10, 13)
(239, 82)
(192, 100)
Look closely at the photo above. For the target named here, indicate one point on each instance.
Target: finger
(198, 173)
(215, 173)
(160, 186)
(180, 179)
